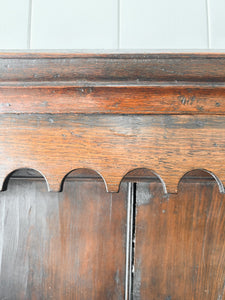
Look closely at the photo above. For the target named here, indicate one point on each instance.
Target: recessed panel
(68, 245)
(179, 242)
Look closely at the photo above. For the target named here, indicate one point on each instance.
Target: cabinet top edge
(117, 83)
(135, 54)
(110, 68)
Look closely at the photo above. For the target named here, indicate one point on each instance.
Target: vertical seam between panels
(29, 24)
(118, 24)
(208, 20)
(130, 240)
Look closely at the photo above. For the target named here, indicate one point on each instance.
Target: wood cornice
(112, 83)
(112, 113)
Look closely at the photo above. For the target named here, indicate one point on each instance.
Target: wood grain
(112, 67)
(190, 99)
(114, 115)
(179, 249)
(112, 83)
(64, 111)
(140, 115)
(112, 145)
(68, 245)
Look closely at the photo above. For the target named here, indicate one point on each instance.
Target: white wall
(112, 24)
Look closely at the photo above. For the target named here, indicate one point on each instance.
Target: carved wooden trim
(112, 113)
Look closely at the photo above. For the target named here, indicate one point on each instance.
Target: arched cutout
(23, 173)
(203, 173)
(144, 173)
(83, 173)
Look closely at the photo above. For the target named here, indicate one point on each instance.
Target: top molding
(112, 113)
(116, 83)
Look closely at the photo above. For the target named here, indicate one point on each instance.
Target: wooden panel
(112, 145)
(179, 249)
(69, 245)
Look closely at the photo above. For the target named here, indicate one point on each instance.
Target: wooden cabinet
(112, 174)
